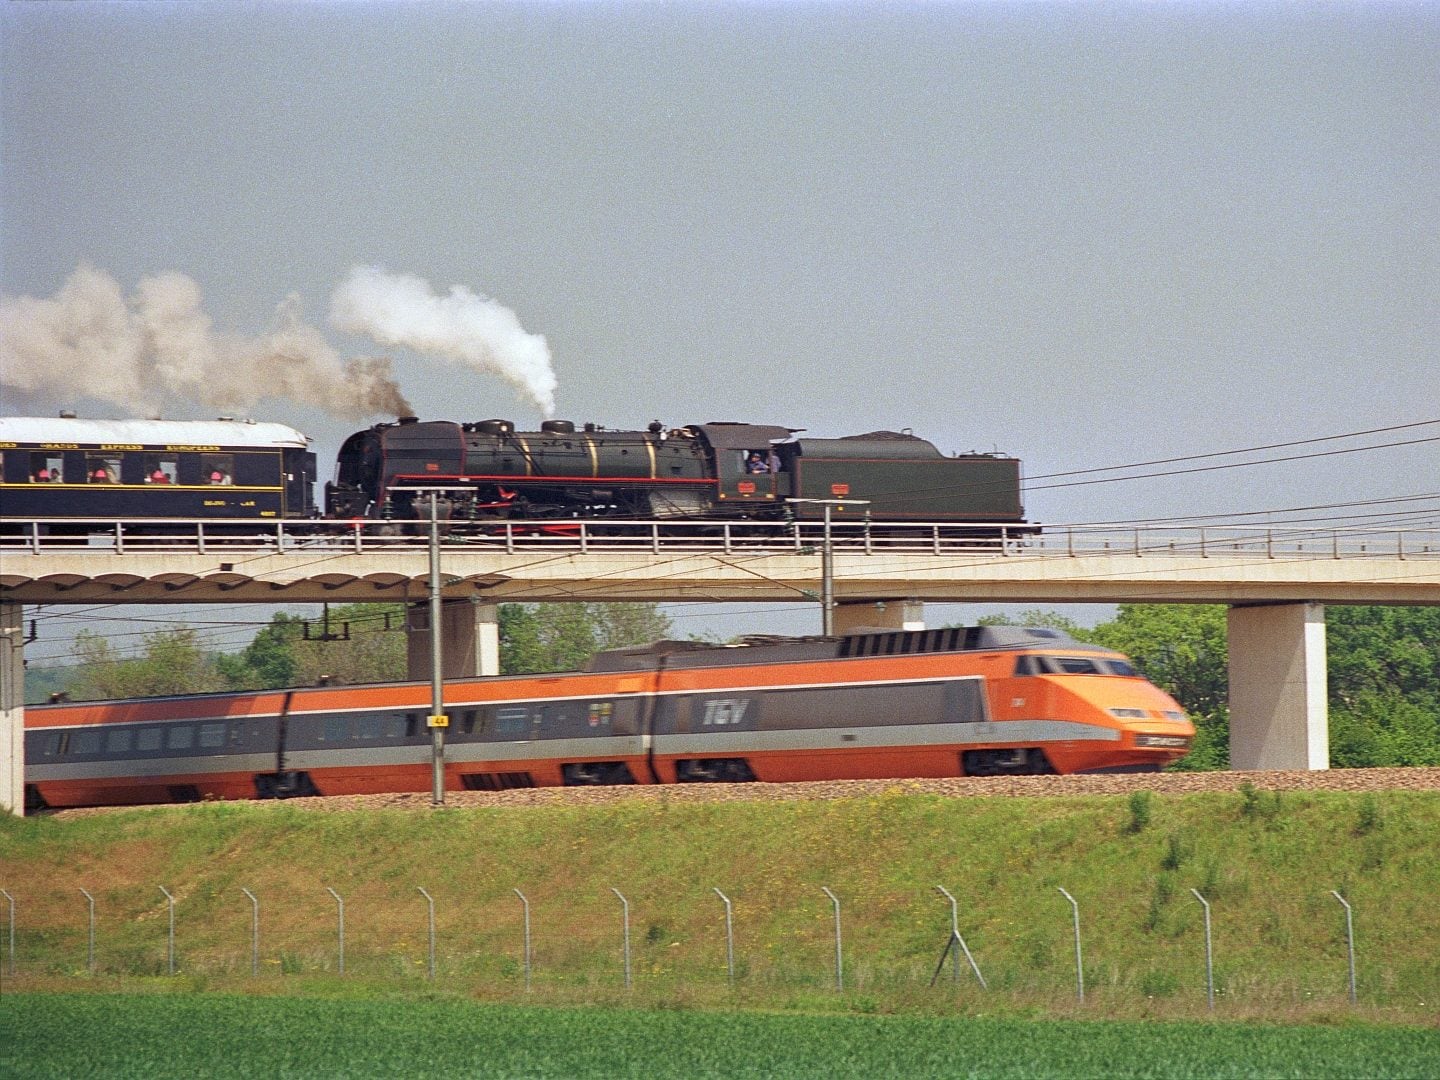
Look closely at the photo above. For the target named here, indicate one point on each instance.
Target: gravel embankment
(1416, 779)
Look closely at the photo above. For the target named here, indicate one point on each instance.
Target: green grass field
(156, 1036)
(1265, 861)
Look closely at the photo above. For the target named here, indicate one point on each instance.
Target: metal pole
(1349, 940)
(341, 902)
(839, 954)
(254, 932)
(90, 952)
(429, 900)
(625, 905)
(1209, 962)
(11, 899)
(170, 950)
(827, 580)
(729, 937)
(438, 720)
(1079, 967)
(955, 936)
(526, 904)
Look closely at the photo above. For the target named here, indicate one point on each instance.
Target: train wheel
(1016, 762)
(592, 773)
(714, 771)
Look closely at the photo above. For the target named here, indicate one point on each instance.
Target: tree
(562, 637)
(173, 663)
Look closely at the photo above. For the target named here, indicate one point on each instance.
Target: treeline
(1384, 663)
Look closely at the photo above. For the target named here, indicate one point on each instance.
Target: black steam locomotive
(70, 468)
(721, 471)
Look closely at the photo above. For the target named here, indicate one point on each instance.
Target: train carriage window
(56, 744)
(218, 469)
(102, 468)
(336, 729)
(85, 742)
(512, 721)
(369, 726)
(148, 738)
(118, 741)
(180, 737)
(47, 469)
(161, 469)
(212, 735)
(467, 721)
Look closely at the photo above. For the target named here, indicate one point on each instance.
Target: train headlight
(1172, 742)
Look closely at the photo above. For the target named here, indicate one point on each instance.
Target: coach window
(336, 729)
(212, 735)
(46, 469)
(86, 742)
(147, 739)
(369, 726)
(160, 469)
(218, 469)
(102, 468)
(180, 737)
(118, 741)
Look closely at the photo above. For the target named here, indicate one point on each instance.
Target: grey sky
(1081, 234)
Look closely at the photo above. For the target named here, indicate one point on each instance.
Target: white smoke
(159, 347)
(402, 311)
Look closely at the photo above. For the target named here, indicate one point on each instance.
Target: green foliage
(562, 637)
(173, 663)
(1141, 804)
(1180, 647)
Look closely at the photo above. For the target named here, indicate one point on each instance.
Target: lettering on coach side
(721, 711)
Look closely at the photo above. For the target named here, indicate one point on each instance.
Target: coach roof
(228, 433)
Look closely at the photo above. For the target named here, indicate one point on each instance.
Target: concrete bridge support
(12, 708)
(470, 640)
(879, 615)
(1278, 713)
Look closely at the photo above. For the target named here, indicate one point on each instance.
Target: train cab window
(212, 735)
(217, 469)
(1122, 667)
(47, 469)
(118, 741)
(180, 737)
(85, 742)
(1029, 665)
(161, 469)
(148, 738)
(102, 468)
(1077, 665)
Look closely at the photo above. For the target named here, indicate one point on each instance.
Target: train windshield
(1036, 664)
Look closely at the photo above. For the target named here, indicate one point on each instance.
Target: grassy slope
(1265, 863)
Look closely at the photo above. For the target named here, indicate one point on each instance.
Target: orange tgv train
(964, 701)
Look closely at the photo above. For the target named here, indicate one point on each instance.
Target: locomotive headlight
(1175, 742)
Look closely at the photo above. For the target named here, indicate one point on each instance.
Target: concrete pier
(1278, 712)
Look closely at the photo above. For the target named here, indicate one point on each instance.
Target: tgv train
(967, 701)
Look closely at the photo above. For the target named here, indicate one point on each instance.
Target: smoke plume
(402, 311)
(158, 347)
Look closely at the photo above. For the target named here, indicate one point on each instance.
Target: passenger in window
(101, 476)
(159, 477)
(772, 462)
(755, 463)
(42, 476)
(220, 478)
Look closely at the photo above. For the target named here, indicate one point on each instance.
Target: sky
(1085, 235)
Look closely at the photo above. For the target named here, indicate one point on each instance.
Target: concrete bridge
(1276, 581)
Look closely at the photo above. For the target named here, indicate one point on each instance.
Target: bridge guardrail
(583, 536)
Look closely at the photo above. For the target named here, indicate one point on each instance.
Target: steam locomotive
(488, 471)
(959, 701)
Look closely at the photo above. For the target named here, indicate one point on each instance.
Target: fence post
(254, 932)
(430, 901)
(90, 949)
(1349, 940)
(729, 938)
(839, 954)
(1209, 964)
(526, 904)
(170, 946)
(951, 942)
(11, 900)
(1079, 966)
(339, 900)
(625, 917)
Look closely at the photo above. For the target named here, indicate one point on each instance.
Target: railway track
(1175, 783)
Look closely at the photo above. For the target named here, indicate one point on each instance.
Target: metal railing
(150, 536)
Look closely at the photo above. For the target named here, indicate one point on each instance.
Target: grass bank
(1265, 861)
